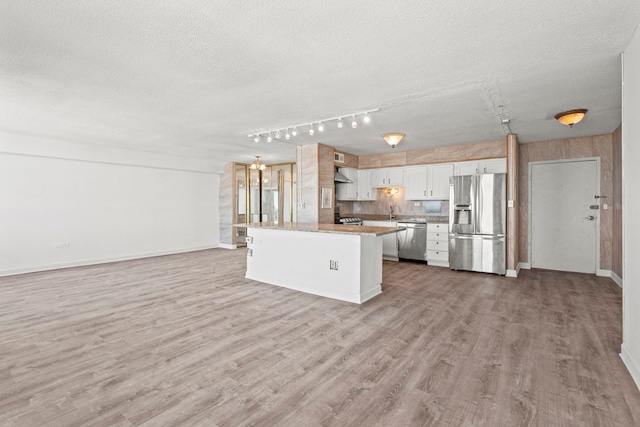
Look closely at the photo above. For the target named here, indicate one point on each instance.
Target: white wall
(104, 211)
(631, 206)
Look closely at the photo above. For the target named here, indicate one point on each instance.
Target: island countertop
(323, 228)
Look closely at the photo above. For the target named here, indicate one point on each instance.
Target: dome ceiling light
(393, 139)
(572, 117)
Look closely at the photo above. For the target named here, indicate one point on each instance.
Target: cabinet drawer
(437, 245)
(440, 236)
(441, 227)
(437, 255)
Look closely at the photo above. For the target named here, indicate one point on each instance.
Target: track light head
(311, 131)
(294, 132)
(367, 118)
(269, 139)
(256, 138)
(354, 123)
(340, 123)
(320, 127)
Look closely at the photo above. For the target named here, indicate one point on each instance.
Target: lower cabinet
(438, 244)
(389, 241)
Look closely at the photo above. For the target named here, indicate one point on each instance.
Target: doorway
(564, 220)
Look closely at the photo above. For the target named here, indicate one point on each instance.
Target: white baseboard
(603, 273)
(524, 265)
(512, 273)
(631, 365)
(81, 263)
(616, 279)
(228, 246)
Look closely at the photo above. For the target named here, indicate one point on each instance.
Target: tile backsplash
(384, 202)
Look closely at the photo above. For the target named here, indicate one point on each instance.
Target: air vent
(338, 157)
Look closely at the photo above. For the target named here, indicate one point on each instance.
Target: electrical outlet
(333, 265)
(249, 252)
(62, 245)
(605, 206)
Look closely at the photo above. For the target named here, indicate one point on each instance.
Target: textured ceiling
(193, 78)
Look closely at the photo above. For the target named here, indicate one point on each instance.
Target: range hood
(338, 177)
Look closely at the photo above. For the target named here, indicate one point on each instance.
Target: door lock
(590, 217)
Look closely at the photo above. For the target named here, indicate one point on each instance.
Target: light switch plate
(510, 203)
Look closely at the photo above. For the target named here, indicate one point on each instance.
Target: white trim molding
(512, 273)
(524, 266)
(228, 246)
(616, 279)
(631, 365)
(83, 263)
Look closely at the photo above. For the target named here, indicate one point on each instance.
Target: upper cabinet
(430, 182)
(347, 191)
(415, 187)
(387, 177)
(365, 189)
(481, 166)
(438, 181)
(359, 189)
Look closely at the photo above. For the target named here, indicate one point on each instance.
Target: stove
(350, 220)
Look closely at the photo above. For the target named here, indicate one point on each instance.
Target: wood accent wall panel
(325, 180)
(572, 148)
(454, 153)
(350, 161)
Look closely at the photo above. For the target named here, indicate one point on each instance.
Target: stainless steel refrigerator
(478, 223)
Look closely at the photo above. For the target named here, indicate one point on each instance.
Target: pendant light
(258, 165)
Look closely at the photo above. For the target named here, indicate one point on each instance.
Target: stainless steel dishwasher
(412, 242)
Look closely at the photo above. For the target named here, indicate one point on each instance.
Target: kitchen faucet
(391, 215)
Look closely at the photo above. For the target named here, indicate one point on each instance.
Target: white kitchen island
(337, 261)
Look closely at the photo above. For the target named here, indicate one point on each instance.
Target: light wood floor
(186, 340)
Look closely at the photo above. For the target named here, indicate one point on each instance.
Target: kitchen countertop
(323, 228)
(406, 218)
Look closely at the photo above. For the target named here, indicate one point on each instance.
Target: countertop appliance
(412, 242)
(478, 218)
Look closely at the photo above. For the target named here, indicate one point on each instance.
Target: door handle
(590, 217)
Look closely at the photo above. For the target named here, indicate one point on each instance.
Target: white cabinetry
(347, 191)
(415, 187)
(365, 189)
(438, 244)
(359, 189)
(481, 166)
(430, 182)
(389, 241)
(438, 181)
(493, 166)
(387, 177)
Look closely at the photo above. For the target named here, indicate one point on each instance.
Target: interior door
(563, 225)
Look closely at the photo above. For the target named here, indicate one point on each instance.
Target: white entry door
(564, 228)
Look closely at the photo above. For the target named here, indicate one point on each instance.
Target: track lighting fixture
(284, 131)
